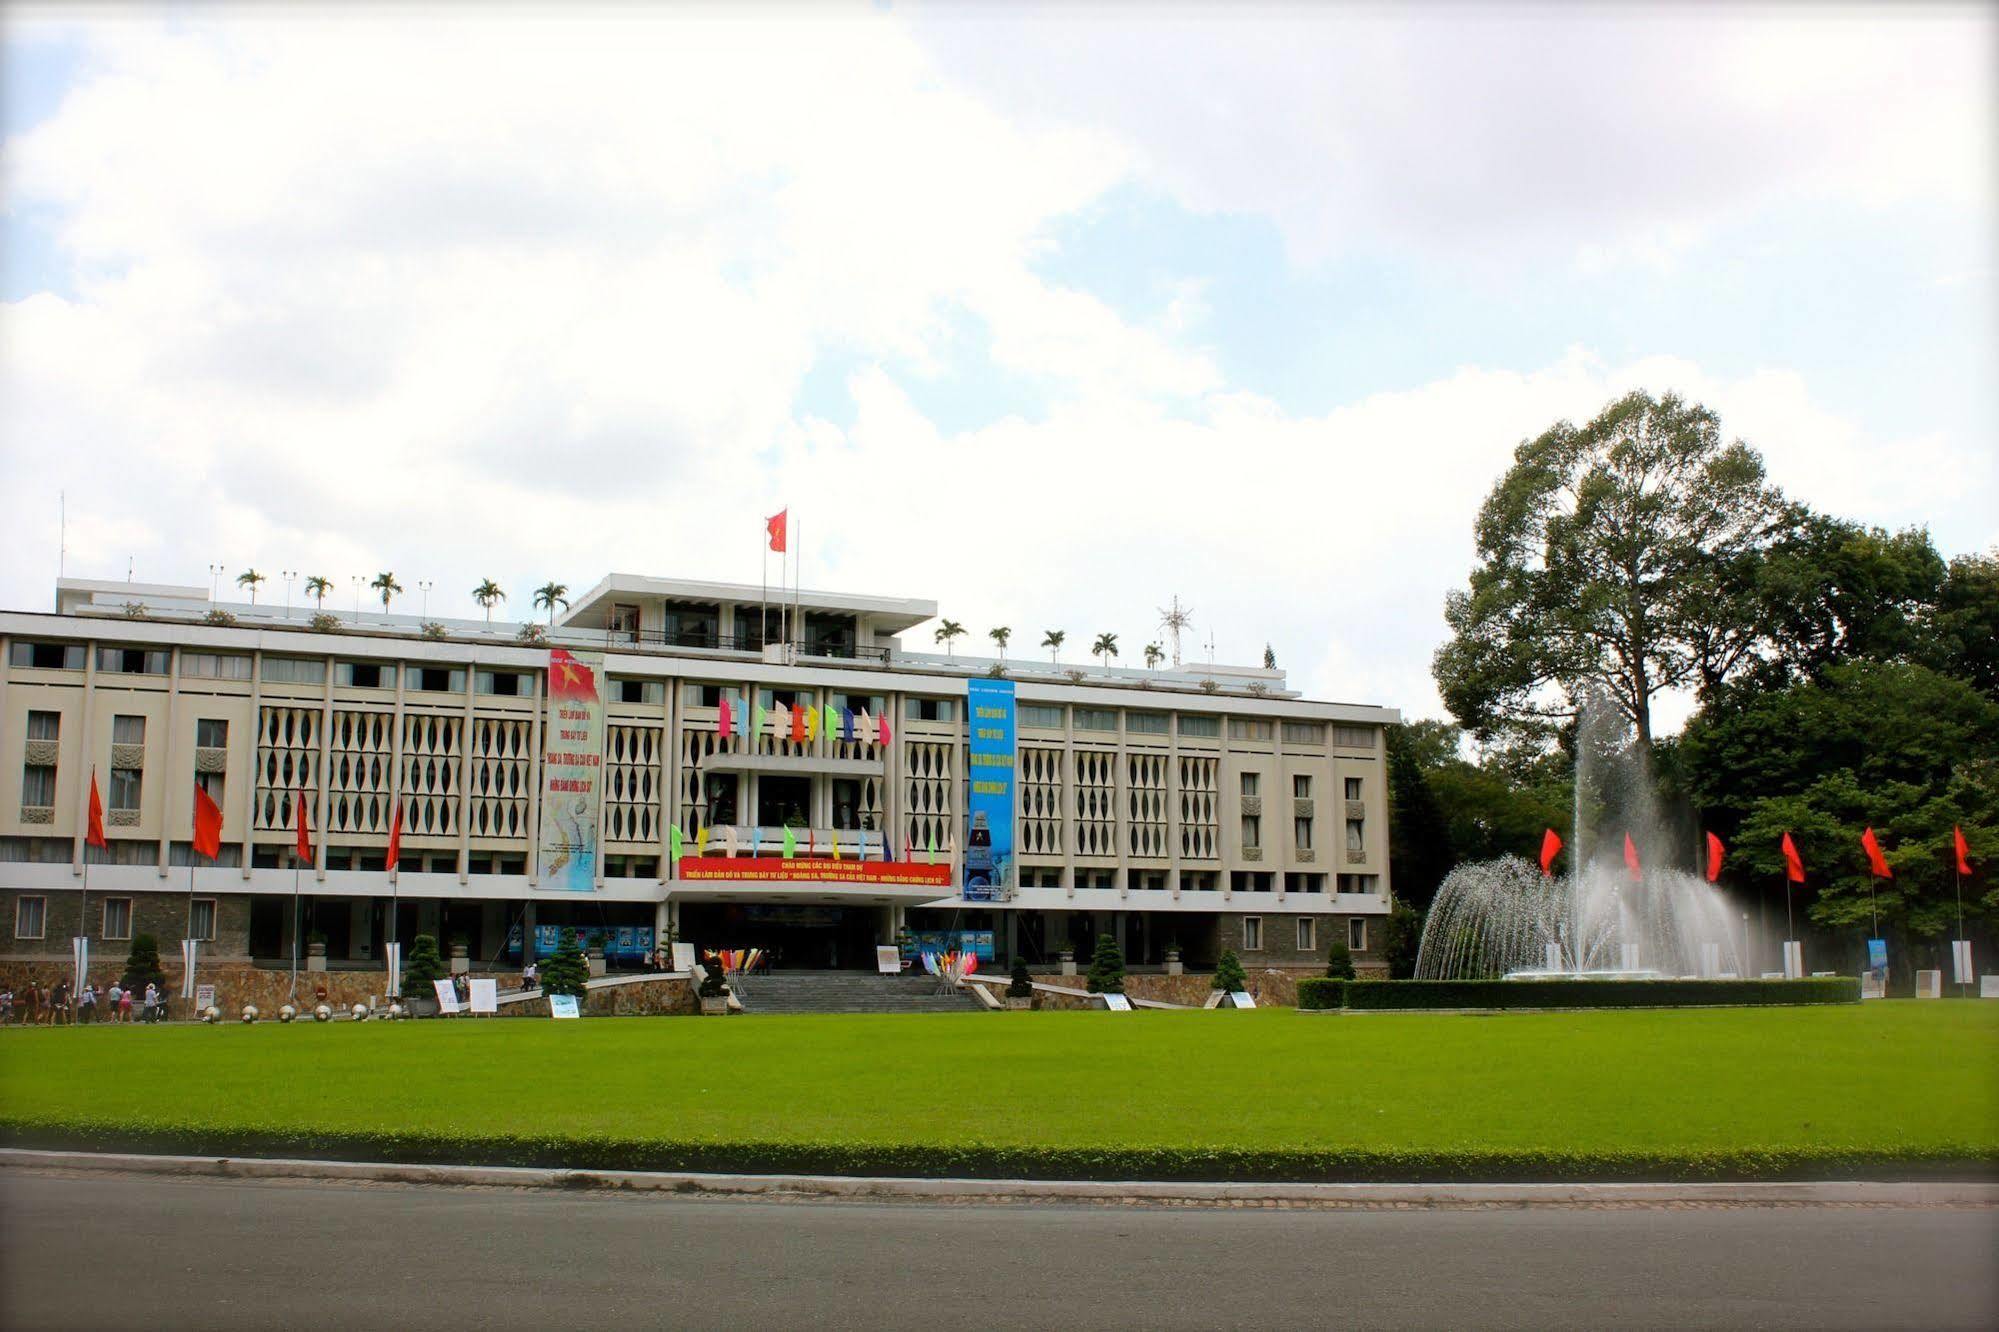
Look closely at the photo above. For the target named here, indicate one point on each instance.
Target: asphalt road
(142, 1254)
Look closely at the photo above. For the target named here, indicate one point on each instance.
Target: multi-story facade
(1184, 808)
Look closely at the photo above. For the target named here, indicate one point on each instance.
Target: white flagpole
(797, 580)
(295, 888)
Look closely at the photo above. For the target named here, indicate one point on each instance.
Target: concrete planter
(461, 960)
(593, 957)
(716, 1007)
(315, 957)
(1173, 967)
(420, 1007)
(1020, 1004)
(1068, 958)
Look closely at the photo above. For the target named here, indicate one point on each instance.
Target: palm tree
(1052, 640)
(1154, 654)
(250, 578)
(999, 636)
(947, 633)
(386, 584)
(486, 594)
(550, 595)
(317, 587)
(1105, 647)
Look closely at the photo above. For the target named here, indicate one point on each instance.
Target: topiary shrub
(422, 966)
(566, 972)
(1229, 975)
(143, 965)
(1339, 961)
(1107, 967)
(1020, 987)
(713, 986)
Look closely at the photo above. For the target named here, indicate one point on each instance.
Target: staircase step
(851, 992)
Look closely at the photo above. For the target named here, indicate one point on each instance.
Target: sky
(1050, 315)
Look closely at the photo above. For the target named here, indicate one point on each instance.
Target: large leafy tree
(1965, 630)
(1831, 591)
(1614, 558)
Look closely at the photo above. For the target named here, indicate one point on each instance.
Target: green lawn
(1271, 1093)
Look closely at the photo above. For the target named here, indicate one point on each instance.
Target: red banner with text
(762, 869)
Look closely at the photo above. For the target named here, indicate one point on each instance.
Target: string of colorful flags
(802, 722)
(1794, 865)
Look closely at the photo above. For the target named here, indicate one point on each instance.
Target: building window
(435, 680)
(47, 657)
(1041, 716)
(1301, 787)
(30, 917)
(128, 730)
(785, 698)
(125, 784)
(859, 703)
(1197, 881)
(701, 695)
(131, 661)
(360, 675)
(1301, 833)
(1308, 941)
(117, 917)
(649, 692)
(294, 670)
(1096, 719)
(44, 725)
(1252, 934)
(215, 665)
(211, 733)
(1356, 934)
(1304, 883)
(1252, 831)
(1354, 737)
(201, 918)
(1355, 834)
(1145, 723)
(1353, 788)
(501, 684)
(1207, 727)
(38, 785)
(1358, 883)
(1252, 785)
(930, 709)
(1305, 733)
(1249, 881)
(1245, 728)
(1152, 880)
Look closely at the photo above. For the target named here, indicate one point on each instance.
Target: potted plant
(315, 951)
(1020, 990)
(461, 954)
(1067, 957)
(714, 991)
(1174, 967)
(421, 968)
(566, 972)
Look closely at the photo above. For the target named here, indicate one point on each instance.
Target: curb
(882, 1188)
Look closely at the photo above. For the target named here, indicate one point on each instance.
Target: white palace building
(666, 756)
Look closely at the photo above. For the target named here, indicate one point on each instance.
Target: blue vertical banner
(989, 812)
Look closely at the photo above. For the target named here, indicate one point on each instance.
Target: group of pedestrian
(36, 1004)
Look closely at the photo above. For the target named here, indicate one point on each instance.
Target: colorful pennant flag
(1794, 864)
(933, 848)
(674, 842)
(811, 724)
(1551, 846)
(1963, 850)
(304, 844)
(847, 725)
(834, 834)
(1715, 855)
(775, 529)
(790, 843)
(756, 720)
(701, 840)
(756, 842)
(1877, 864)
(395, 850)
(798, 724)
(208, 825)
(94, 834)
(724, 717)
(729, 839)
(881, 730)
(831, 727)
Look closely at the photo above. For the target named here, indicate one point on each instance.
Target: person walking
(86, 1003)
(125, 1004)
(111, 997)
(59, 1004)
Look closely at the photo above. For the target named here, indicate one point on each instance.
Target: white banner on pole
(190, 949)
(79, 953)
(447, 997)
(1794, 960)
(1960, 961)
(395, 952)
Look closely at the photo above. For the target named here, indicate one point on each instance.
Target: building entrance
(798, 937)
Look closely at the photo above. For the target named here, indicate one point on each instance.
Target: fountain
(1504, 918)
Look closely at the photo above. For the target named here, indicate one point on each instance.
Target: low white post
(1960, 962)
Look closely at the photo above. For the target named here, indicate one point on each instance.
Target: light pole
(424, 585)
(356, 580)
(289, 574)
(214, 581)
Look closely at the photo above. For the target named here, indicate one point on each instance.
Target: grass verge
(1891, 1089)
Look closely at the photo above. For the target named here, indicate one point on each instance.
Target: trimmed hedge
(995, 1161)
(1323, 993)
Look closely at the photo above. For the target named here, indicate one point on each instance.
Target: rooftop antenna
(1211, 649)
(128, 568)
(1173, 619)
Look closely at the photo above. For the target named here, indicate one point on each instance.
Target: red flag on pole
(774, 528)
(1877, 864)
(94, 834)
(1551, 846)
(395, 836)
(207, 824)
(1631, 859)
(304, 845)
(1715, 855)
(1963, 850)
(1794, 864)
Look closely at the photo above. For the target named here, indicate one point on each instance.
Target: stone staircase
(851, 992)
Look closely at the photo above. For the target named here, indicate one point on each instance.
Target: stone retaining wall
(654, 998)
(235, 983)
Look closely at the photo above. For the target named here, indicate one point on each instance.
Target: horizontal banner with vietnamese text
(758, 869)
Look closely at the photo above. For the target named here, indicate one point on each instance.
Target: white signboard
(1988, 987)
(1871, 986)
(563, 1006)
(485, 995)
(447, 997)
(1118, 1003)
(1929, 984)
(1243, 999)
(888, 960)
(683, 957)
(204, 997)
